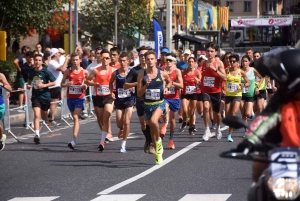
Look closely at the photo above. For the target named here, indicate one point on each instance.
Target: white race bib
(171, 90)
(35, 82)
(231, 87)
(75, 89)
(123, 93)
(209, 81)
(103, 90)
(152, 94)
(190, 90)
(245, 90)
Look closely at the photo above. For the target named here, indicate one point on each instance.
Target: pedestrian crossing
(133, 197)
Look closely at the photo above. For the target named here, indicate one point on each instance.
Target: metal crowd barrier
(29, 115)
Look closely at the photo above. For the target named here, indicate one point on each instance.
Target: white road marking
(149, 171)
(34, 198)
(119, 197)
(205, 197)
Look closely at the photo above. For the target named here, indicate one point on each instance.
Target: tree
(133, 16)
(20, 18)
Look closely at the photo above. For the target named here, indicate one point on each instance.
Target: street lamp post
(116, 20)
(169, 25)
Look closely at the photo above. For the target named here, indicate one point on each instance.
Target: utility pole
(169, 25)
(116, 20)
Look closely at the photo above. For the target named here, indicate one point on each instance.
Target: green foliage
(7, 66)
(19, 17)
(133, 17)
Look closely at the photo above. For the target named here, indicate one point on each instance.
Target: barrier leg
(9, 132)
(44, 123)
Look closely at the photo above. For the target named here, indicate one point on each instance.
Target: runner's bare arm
(245, 78)
(198, 78)
(260, 77)
(111, 82)
(65, 77)
(167, 80)
(4, 83)
(141, 89)
(90, 78)
(221, 70)
(179, 83)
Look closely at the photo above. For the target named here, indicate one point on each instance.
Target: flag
(158, 37)
(195, 13)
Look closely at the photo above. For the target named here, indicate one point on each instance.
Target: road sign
(148, 43)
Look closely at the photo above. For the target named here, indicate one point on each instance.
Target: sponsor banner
(283, 21)
(158, 37)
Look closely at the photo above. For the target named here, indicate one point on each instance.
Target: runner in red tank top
(103, 101)
(191, 77)
(75, 93)
(212, 75)
(172, 98)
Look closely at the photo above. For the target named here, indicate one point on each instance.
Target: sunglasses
(169, 60)
(105, 58)
(232, 61)
(141, 55)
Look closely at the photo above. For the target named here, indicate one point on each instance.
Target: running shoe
(101, 146)
(71, 145)
(109, 137)
(182, 126)
(171, 144)
(194, 128)
(2, 142)
(191, 131)
(229, 138)
(219, 135)
(37, 139)
(245, 133)
(180, 119)
(213, 126)
(52, 123)
(163, 130)
(120, 134)
(206, 135)
(146, 147)
(151, 149)
(122, 150)
(252, 115)
(159, 152)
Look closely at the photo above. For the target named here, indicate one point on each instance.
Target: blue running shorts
(149, 109)
(174, 104)
(75, 103)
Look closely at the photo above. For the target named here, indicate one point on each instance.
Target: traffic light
(295, 25)
(2, 46)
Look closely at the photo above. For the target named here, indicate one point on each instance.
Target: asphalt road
(51, 171)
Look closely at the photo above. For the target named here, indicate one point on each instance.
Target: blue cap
(165, 50)
(182, 65)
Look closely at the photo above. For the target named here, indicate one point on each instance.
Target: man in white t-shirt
(56, 69)
(62, 56)
(97, 63)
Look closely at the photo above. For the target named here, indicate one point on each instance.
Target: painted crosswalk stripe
(34, 198)
(149, 171)
(205, 197)
(119, 197)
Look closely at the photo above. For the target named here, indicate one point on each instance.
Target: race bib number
(123, 93)
(75, 89)
(190, 90)
(231, 87)
(103, 90)
(209, 81)
(171, 90)
(245, 90)
(152, 94)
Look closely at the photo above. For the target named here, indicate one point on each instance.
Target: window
(247, 6)
(230, 4)
(216, 3)
(270, 6)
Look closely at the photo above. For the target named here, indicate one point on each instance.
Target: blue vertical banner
(158, 37)
(195, 12)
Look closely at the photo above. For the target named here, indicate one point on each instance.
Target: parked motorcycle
(281, 180)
